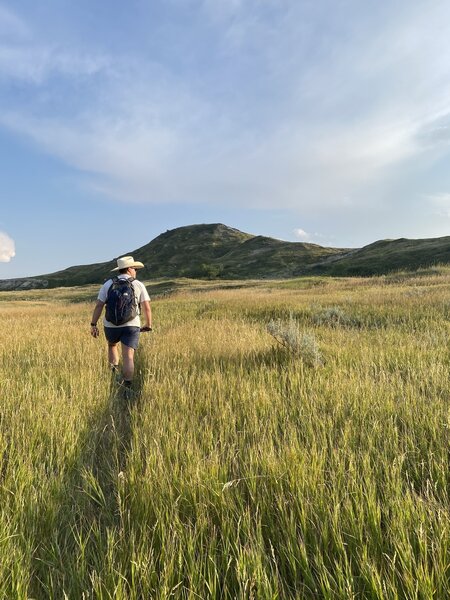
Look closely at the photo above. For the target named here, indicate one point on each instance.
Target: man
(127, 333)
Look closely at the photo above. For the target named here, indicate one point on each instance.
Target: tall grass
(239, 470)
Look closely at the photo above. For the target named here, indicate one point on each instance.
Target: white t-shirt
(140, 294)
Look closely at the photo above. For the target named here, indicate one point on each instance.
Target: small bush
(335, 316)
(303, 344)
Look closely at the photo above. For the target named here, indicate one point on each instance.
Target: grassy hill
(386, 256)
(220, 251)
(261, 257)
(217, 251)
(212, 250)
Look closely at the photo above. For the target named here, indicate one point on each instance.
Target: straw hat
(126, 262)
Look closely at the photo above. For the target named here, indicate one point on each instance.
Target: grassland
(238, 470)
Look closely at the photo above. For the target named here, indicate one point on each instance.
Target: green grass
(237, 471)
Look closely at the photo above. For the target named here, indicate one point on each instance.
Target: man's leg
(113, 354)
(128, 362)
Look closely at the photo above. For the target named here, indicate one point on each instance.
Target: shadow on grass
(73, 523)
(78, 527)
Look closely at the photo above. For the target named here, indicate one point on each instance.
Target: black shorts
(127, 335)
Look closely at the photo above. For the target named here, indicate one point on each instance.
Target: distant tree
(210, 271)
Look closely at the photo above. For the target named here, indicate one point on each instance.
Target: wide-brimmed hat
(126, 262)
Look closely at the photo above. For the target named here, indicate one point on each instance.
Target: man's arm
(146, 309)
(96, 316)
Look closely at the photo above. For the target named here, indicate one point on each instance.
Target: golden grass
(237, 471)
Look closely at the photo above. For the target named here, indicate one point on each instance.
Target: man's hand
(95, 317)
(146, 328)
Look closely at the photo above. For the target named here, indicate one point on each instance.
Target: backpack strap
(116, 279)
(113, 281)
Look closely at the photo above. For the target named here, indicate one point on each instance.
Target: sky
(325, 121)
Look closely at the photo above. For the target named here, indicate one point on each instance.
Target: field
(241, 468)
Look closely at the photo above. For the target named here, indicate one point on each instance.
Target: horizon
(325, 124)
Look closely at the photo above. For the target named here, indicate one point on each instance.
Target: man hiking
(124, 297)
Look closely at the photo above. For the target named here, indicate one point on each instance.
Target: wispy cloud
(322, 127)
(7, 248)
(11, 25)
(27, 58)
(34, 63)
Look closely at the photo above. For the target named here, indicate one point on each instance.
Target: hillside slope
(217, 251)
(212, 250)
(386, 256)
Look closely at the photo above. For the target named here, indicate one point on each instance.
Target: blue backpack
(121, 305)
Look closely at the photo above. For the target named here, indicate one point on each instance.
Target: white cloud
(150, 154)
(311, 238)
(302, 235)
(7, 247)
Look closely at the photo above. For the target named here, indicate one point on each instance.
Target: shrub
(301, 343)
(335, 316)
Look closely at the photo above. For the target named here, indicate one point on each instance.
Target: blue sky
(324, 121)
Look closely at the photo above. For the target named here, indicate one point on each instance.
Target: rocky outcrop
(22, 284)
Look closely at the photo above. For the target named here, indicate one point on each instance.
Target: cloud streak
(34, 64)
(11, 25)
(30, 60)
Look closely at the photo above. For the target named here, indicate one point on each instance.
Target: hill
(212, 250)
(386, 256)
(218, 251)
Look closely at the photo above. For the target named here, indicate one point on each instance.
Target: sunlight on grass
(239, 470)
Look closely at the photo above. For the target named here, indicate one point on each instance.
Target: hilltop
(218, 251)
